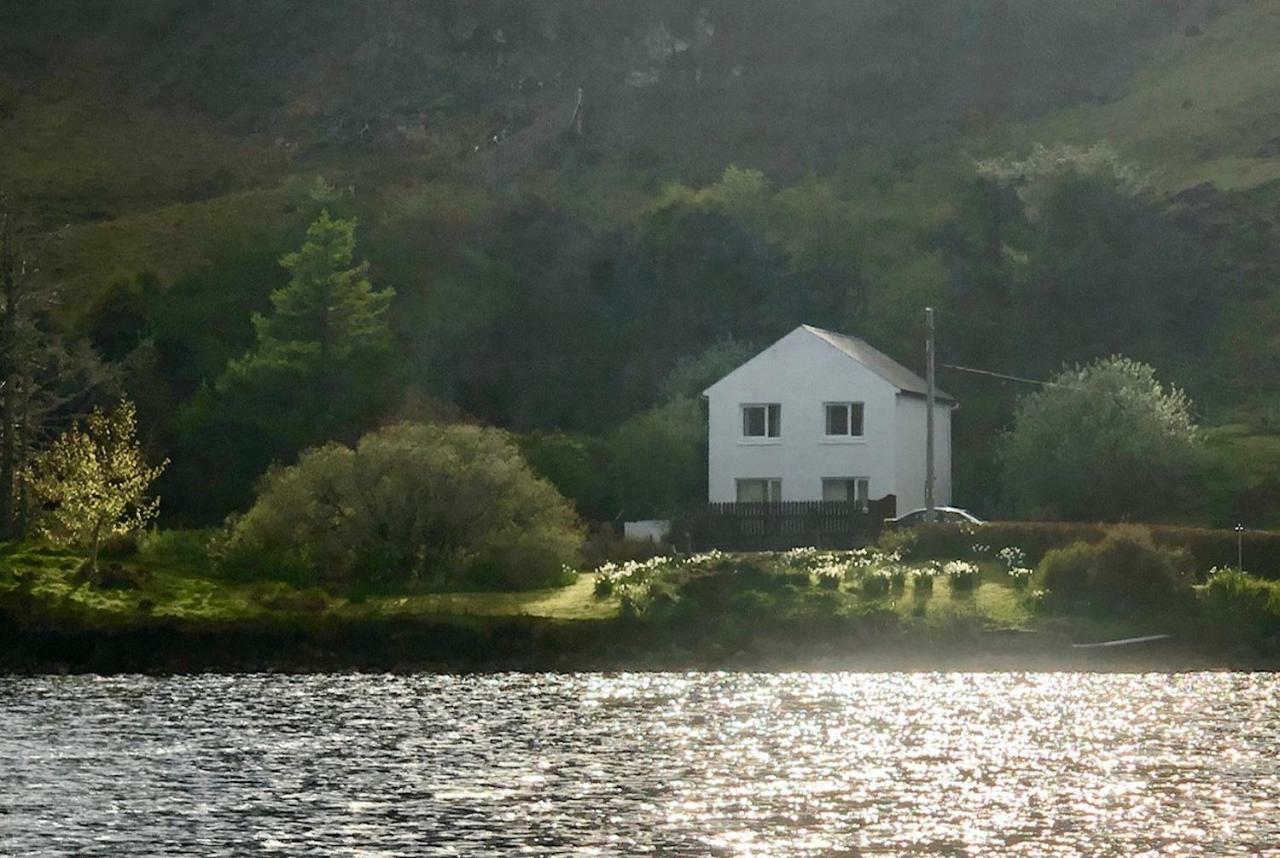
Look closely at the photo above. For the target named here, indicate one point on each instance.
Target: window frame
(772, 488)
(848, 437)
(772, 421)
(861, 499)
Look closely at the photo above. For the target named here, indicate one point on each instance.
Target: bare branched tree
(45, 383)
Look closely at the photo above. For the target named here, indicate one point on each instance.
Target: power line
(1000, 375)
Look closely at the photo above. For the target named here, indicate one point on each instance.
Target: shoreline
(526, 646)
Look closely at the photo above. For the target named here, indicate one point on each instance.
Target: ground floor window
(856, 489)
(759, 490)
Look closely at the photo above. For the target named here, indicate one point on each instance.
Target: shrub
(1242, 604)
(278, 597)
(615, 577)
(922, 580)
(1065, 571)
(658, 461)
(1125, 572)
(962, 574)
(187, 550)
(899, 541)
(828, 571)
(1208, 548)
(119, 546)
(113, 576)
(427, 507)
(807, 557)
(875, 583)
(1021, 576)
(829, 577)
(1012, 556)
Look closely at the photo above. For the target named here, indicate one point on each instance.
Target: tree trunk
(97, 541)
(22, 435)
(9, 277)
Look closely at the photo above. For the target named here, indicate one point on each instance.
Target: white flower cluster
(803, 558)
(922, 576)
(961, 570)
(873, 558)
(1021, 575)
(830, 573)
(980, 548)
(632, 571)
(1012, 556)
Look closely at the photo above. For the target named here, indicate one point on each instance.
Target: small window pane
(751, 491)
(775, 421)
(759, 491)
(835, 490)
(855, 419)
(855, 489)
(837, 420)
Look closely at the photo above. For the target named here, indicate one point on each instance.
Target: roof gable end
(860, 351)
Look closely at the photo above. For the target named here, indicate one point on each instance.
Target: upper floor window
(762, 421)
(844, 419)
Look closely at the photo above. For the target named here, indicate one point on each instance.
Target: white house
(824, 416)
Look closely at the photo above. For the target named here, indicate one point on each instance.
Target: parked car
(944, 515)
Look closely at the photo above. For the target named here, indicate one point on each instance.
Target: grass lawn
(994, 602)
(176, 583)
(176, 588)
(577, 601)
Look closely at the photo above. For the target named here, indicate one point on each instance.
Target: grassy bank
(166, 607)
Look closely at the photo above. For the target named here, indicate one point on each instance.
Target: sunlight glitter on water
(675, 764)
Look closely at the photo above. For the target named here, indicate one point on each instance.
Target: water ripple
(670, 764)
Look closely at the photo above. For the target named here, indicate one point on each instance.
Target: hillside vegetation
(575, 200)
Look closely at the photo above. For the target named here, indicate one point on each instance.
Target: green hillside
(571, 197)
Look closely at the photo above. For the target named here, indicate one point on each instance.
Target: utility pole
(929, 503)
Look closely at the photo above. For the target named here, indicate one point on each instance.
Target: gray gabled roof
(880, 363)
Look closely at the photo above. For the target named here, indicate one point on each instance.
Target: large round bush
(414, 506)
(1124, 573)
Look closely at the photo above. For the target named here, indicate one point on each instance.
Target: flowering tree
(1105, 441)
(92, 482)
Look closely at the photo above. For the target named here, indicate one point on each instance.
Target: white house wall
(801, 372)
(910, 453)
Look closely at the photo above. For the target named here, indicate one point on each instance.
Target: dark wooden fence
(779, 526)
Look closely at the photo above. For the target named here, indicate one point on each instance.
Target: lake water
(668, 764)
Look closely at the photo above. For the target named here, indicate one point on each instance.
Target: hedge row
(1208, 548)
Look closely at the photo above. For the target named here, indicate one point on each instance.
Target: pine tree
(92, 482)
(328, 320)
